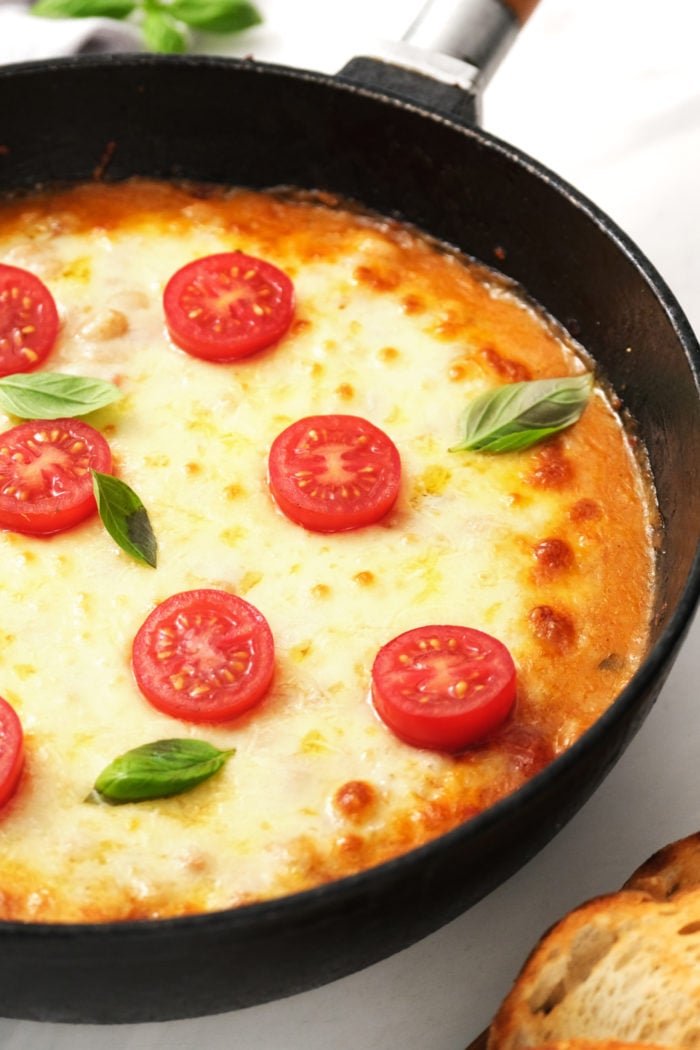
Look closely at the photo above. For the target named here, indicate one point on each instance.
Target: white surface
(607, 93)
(22, 37)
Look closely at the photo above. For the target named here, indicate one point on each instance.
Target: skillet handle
(478, 32)
(447, 56)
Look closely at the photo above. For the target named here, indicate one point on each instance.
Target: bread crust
(623, 967)
(598, 1044)
(671, 870)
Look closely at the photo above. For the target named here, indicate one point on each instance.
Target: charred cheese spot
(515, 754)
(379, 279)
(355, 800)
(448, 329)
(585, 510)
(300, 325)
(460, 369)
(553, 556)
(507, 368)
(365, 578)
(552, 627)
(195, 862)
(412, 304)
(526, 748)
(552, 468)
(350, 846)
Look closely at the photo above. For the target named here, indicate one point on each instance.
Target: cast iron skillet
(419, 161)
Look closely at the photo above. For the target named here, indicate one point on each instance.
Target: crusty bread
(671, 870)
(598, 1044)
(622, 967)
(577, 1044)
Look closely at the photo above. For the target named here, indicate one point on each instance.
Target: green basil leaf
(125, 517)
(517, 415)
(158, 770)
(161, 34)
(216, 16)
(53, 395)
(84, 8)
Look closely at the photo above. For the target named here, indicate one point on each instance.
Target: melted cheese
(548, 549)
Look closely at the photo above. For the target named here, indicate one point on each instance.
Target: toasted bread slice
(598, 1044)
(576, 1044)
(622, 967)
(671, 870)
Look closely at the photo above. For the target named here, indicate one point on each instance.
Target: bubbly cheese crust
(548, 549)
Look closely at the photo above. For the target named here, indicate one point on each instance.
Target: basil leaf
(518, 415)
(216, 16)
(161, 34)
(53, 395)
(84, 8)
(158, 770)
(125, 517)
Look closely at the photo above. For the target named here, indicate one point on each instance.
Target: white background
(607, 93)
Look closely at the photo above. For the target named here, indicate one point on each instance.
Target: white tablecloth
(607, 93)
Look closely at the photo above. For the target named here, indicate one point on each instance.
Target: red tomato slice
(333, 473)
(443, 687)
(45, 480)
(226, 306)
(11, 751)
(28, 320)
(204, 656)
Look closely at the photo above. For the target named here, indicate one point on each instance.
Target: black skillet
(405, 144)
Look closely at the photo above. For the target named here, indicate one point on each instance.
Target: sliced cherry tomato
(443, 687)
(204, 656)
(11, 750)
(333, 473)
(45, 480)
(226, 306)
(28, 320)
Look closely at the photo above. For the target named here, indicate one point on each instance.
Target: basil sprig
(125, 518)
(54, 395)
(163, 23)
(517, 415)
(158, 770)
